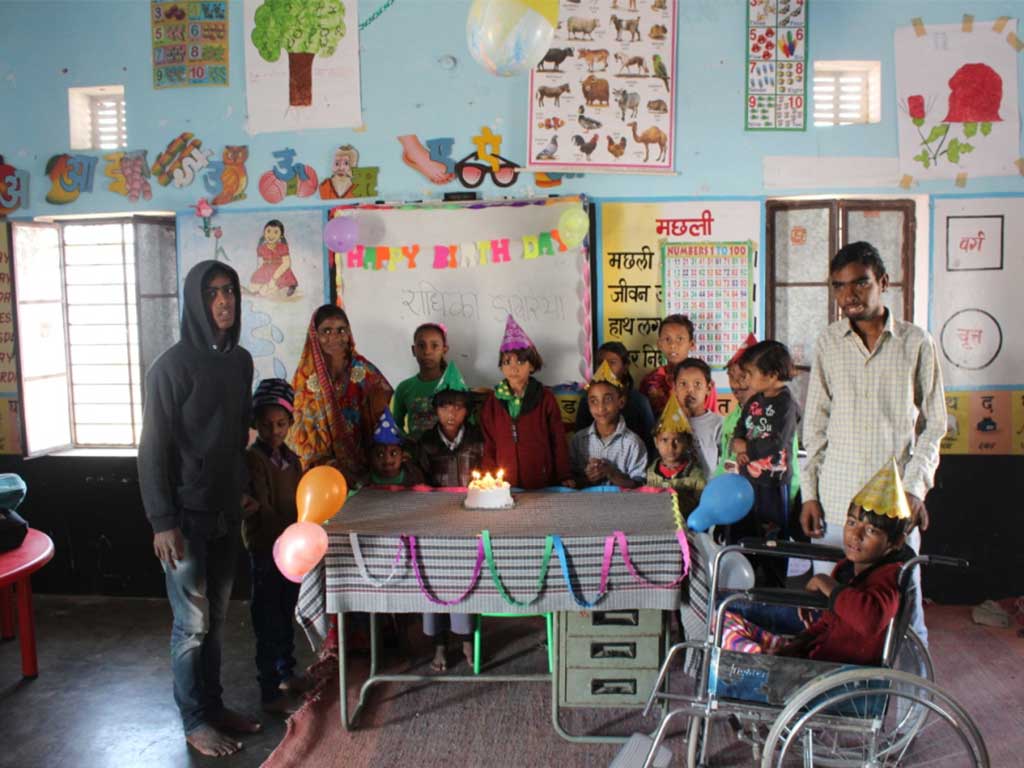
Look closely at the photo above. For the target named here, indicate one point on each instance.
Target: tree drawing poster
(958, 100)
(302, 64)
(603, 98)
(280, 260)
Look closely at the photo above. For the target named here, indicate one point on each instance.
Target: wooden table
(16, 569)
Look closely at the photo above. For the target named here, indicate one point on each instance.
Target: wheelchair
(803, 712)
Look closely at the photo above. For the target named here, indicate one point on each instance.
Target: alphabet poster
(280, 260)
(631, 296)
(975, 302)
(603, 98)
(302, 64)
(958, 100)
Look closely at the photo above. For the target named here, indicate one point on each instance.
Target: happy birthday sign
(385, 258)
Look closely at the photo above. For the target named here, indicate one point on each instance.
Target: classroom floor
(103, 697)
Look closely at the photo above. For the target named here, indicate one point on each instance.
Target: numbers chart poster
(712, 284)
(603, 98)
(190, 43)
(631, 301)
(777, 65)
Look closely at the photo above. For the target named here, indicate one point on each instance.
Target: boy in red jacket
(521, 421)
(862, 590)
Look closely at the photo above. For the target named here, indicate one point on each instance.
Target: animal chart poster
(603, 98)
(302, 64)
(190, 43)
(629, 272)
(958, 100)
(280, 260)
(975, 302)
(776, 69)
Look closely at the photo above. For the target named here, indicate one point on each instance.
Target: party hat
(451, 380)
(604, 374)
(515, 337)
(750, 341)
(884, 494)
(673, 419)
(387, 432)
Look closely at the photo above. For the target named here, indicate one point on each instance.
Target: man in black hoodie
(192, 475)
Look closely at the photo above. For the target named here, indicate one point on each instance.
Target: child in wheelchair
(863, 593)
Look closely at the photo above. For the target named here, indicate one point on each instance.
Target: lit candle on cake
(488, 491)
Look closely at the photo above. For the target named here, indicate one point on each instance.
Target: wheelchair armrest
(953, 562)
(790, 597)
(792, 549)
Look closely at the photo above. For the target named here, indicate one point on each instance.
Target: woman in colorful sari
(339, 395)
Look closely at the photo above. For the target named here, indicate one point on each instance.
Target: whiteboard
(977, 272)
(547, 294)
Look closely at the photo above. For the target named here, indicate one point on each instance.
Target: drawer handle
(613, 650)
(616, 619)
(613, 687)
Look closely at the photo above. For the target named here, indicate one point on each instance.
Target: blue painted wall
(47, 46)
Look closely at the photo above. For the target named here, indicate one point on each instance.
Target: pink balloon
(299, 549)
(341, 234)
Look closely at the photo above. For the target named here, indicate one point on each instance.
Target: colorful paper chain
(375, 15)
(484, 553)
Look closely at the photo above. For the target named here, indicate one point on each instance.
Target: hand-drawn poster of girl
(274, 274)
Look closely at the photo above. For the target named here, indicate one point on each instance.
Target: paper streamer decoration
(587, 332)
(477, 568)
(485, 537)
(396, 565)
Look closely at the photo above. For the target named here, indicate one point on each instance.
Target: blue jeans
(199, 588)
(273, 606)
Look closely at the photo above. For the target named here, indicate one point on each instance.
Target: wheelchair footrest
(634, 752)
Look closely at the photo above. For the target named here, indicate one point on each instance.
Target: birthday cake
(488, 492)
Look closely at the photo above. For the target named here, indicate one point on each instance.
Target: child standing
(607, 451)
(677, 466)
(692, 384)
(763, 440)
(274, 473)
(388, 464)
(740, 388)
(863, 592)
(448, 453)
(675, 342)
(521, 421)
(412, 404)
(637, 412)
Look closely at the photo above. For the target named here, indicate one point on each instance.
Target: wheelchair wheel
(694, 738)
(858, 719)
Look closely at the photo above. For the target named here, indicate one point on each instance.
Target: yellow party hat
(673, 419)
(884, 494)
(604, 375)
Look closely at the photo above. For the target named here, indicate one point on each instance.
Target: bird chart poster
(191, 43)
(302, 64)
(603, 98)
(280, 260)
(776, 69)
(957, 97)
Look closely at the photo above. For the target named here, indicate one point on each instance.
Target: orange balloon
(321, 494)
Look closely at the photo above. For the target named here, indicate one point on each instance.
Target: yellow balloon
(321, 494)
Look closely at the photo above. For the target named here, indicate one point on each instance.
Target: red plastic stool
(16, 569)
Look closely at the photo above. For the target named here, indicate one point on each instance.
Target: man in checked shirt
(875, 393)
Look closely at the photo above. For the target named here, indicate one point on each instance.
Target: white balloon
(506, 37)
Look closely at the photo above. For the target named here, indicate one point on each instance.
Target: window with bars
(80, 289)
(847, 92)
(96, 115)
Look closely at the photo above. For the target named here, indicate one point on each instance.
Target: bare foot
(440, 661)
(282, 705)
(208, 741)
(229, 720)
(296, 684)
(467, 651)
(416, 156)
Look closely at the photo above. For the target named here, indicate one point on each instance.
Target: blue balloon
(697, 521)
(726, 499)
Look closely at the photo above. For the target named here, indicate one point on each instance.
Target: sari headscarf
(336, 422)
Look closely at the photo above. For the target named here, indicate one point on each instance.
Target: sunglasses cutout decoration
(471, 172)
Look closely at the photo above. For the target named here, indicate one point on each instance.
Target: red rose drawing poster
(957, 98)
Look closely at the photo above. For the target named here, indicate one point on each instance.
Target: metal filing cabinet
(608, 658)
